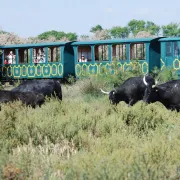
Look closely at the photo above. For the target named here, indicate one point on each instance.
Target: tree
(58, 35)
(152, 28)
(136, 26)
(96, 28)
(100, 35)
(119, 32)
(71, 36)
(84, 37)
(171, 29)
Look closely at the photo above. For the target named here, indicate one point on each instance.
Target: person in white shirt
(11, 57)
(82, 59)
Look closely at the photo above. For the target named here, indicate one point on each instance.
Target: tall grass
(85, 137)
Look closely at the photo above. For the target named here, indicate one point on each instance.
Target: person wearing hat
(82, 59)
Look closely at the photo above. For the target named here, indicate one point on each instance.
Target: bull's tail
(104, 92)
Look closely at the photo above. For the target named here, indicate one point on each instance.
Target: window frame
(142, 53)
(122, 53)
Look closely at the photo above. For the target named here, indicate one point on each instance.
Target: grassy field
(85, 137)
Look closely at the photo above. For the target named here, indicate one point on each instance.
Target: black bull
(168, 94)
(131, 91)
(27, 98)
(46, 87)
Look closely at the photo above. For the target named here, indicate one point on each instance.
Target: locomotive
(83, 58)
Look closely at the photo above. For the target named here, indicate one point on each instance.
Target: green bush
(85, 137)
(164, 75)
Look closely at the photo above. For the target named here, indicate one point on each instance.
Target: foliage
(171, 29)
(119, 32)
(167, 74)
(101, 35)
(58, 35)
(152, 28)
(87, 138)
(96, 28)
(84, 37)
(136, 26)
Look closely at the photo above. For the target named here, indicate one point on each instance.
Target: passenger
(42, 59)
(6, 61)
(11, 57)
(14, 59)
(82, 59)
(37, 58)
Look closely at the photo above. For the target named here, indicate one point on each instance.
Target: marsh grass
(85, 137)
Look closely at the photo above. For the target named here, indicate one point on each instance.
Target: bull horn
(144, 80)
(156, 83)
(104, 92)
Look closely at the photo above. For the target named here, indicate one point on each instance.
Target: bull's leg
(146, 94)
(59, 95)
(132, 102)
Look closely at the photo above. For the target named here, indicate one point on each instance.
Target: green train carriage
(170, 53)
(145, 52)
(58, 61)
(62, 58)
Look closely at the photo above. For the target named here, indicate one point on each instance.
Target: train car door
(168, 54)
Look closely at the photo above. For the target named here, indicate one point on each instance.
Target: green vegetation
(58, 35)
(133, 29)
(85, 137)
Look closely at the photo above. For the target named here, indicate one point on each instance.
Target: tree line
(134, 28)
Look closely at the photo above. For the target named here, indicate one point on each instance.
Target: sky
(28, 18)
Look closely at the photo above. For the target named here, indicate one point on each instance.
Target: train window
(9, 56)
(138, 51)
(39, 55)
(54, 54)
(24, 55)
(119, 52)
(176, 49)
(84, 54)
(101, 53)
(168, 49)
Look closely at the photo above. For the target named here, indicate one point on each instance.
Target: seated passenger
(6, 61)
(42, 58)
(37, 58)
(82, 59)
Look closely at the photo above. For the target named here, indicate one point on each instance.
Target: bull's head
(149, 81)
(40, 99)
(112, 96)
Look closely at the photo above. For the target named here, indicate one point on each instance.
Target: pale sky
(32, 17)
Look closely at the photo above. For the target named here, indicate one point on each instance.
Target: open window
(54, 54)
(9, 56)
(119, 52)
(138, 51)
(84, 54)
(39, 55)
(168, 48)
(176, 49)
(101, 53)
(24, 56)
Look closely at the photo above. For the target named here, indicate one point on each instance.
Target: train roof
(47, 44)
(112, 41)
(170, 39)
